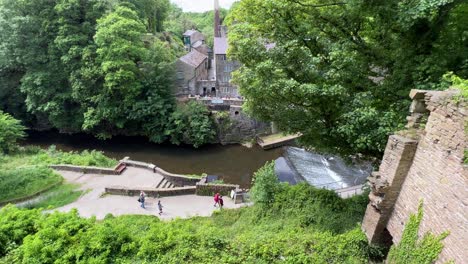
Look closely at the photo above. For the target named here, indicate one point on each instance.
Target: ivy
(411, 249)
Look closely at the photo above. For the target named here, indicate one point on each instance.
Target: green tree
(191, 124)
(265, 185)
(11, 131)
(120, 49)
(340, 72)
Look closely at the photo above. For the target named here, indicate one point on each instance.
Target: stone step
(166, 184)
(161, 182)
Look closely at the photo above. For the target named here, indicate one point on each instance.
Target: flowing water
(232, 163)
(329, 172)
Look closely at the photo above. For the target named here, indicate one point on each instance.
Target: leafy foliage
(178, 22)
(11, 131)
(191, 124)
(265, 185)
(413, 250)
(340, 72)
(103, 67)
(248, 235)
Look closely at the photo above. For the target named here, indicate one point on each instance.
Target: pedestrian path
(95, 203)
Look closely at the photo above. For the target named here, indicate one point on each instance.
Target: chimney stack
(217, 21)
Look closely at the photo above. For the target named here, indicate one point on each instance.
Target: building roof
(190, 32)
(197, 43)
(194, 58)
(220, 45)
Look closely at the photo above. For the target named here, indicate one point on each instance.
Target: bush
(265, 185)
(191, 124)
(11, 131)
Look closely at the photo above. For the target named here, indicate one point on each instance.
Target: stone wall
(121, 190)
(177, 179)
(424, 163)
(210, 189)
(237, 127)
(83, 169)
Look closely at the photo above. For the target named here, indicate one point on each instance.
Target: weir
(328, 172)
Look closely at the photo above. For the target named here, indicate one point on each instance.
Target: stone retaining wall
(210, 189)
(84, 169)
(178, 180)
(424, 164)
(120, 190)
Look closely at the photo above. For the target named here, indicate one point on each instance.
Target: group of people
(142, 198)
(218, 199)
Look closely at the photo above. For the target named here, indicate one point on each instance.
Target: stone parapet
(430, 170)
(121, 190)
(84, 169)
(178, 179)
(210, 189)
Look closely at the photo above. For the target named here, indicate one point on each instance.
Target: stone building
(191, 70)
(216, 80)
(192, 38)
(224, 69)
(424, 163)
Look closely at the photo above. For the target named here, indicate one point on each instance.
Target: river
(232, 163)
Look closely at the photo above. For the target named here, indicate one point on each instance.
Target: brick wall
(428, 167)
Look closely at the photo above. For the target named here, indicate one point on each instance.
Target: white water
(326, 172)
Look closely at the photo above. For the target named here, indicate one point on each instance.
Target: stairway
(164, 184)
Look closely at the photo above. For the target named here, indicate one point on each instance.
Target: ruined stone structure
(424, 163)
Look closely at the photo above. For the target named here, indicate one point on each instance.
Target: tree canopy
(103, 67)
(340, 72)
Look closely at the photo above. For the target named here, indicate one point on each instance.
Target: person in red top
(216, 199)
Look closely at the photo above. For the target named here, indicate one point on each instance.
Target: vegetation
(11, 131)
(25, 172)
(178, 22)
(302, 225)
(100, 67)
(192, 124)
(56, 197)
(340, 73)
(413, 250)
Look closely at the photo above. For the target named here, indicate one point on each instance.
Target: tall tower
(217, 21)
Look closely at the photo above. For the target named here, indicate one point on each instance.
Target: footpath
(94, 202)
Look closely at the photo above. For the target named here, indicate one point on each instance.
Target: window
(180, 75)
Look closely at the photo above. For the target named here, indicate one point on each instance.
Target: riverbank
(232, 163)
(25, 173)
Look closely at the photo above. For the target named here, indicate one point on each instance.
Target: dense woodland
(341, 71)
(100, 67)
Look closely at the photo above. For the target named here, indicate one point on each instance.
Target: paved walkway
(94, 203)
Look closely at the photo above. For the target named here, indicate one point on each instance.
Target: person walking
(142, 199)
(216, 199)
(160, 207)
(221, 202)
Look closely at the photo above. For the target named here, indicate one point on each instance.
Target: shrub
(265, 185)
(191, 124)
(11, 131)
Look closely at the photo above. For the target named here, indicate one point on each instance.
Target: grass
(25, 173)
(21, 182)
(57, 197)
